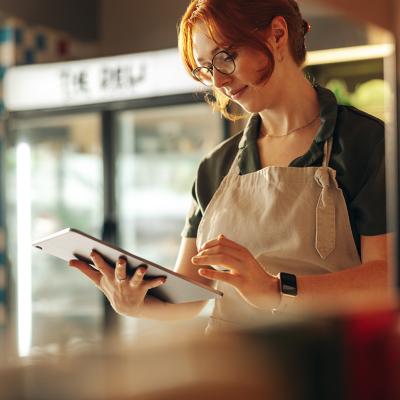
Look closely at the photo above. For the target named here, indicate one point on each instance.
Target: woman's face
(242, 86)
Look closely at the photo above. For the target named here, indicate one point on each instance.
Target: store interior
(121, 169)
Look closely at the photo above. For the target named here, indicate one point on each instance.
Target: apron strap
(234, 169)
(325, 224)
(325, 218)
(327, 151)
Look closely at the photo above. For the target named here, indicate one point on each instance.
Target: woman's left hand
(257, 287)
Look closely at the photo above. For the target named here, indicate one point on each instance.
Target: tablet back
(69, 244)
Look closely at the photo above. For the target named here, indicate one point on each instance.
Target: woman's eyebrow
(213, 52)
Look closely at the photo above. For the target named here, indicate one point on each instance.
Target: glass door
(158, 154)
(54, 180)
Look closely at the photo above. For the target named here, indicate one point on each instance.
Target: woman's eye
(230, 57)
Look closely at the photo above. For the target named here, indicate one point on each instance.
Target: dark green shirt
(358, 156)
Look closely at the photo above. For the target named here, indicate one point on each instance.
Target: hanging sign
(93, 81)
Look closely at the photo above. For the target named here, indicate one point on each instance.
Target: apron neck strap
(234, 169)
(327, 151)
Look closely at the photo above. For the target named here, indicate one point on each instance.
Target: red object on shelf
(372, 355)
(62, 47)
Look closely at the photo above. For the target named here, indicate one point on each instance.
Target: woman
(290, 211)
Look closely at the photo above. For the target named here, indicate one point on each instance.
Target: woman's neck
(296, 105)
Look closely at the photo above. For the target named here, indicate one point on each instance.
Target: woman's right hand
(125, 294)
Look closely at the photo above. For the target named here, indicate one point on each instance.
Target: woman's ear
(279, 29)
(278, 36)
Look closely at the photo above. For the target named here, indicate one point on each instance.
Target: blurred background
(101, 130)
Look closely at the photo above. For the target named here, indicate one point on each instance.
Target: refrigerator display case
(158, 154)
(53, 180)
(356, 75)
(108, 146)
(159, 150)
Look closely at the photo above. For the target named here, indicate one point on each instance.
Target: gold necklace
(293, 130)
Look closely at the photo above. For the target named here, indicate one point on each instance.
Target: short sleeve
(369, 205)
(193, 216)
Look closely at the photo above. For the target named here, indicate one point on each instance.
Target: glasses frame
(211, 67)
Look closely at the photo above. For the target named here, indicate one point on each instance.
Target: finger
(120, 270)
(153, 283)
(218, 276)
(221, 239)
(221, 260)
(102, 266)
(223, 249)
(86, 269)
(137, 277)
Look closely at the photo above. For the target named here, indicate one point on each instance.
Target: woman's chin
(250, 108)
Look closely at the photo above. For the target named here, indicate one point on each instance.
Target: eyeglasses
(223, 62)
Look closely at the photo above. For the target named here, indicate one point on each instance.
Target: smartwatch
(288, 289)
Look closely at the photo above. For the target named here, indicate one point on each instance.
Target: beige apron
(291, 219)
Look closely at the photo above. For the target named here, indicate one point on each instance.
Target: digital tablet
(69, 244)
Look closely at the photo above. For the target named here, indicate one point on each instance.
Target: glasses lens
(204, 75)
(224, 62)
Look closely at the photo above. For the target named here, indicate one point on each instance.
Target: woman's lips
(238, 93)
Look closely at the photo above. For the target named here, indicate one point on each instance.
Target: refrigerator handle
(109, 231)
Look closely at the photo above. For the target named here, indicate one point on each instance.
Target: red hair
(242, 23)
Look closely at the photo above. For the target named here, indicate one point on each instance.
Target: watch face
(288, 284)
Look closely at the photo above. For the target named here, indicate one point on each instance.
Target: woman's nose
(220, 79)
